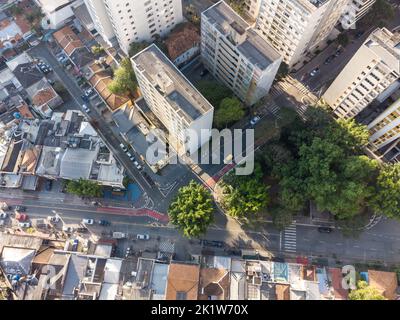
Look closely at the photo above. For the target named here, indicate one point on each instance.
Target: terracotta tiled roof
(68, 40)
(30, 159)
(282, 291)
(183, 38)
(23, 109)
(183, 281)
(385, 282)
(22, 23)
(214, 282)
(336, 278)
(43, 96)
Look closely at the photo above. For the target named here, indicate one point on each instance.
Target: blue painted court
(132, 194)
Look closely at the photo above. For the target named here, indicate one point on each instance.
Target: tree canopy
(124, 81)
(365, 292)
(386, 198)
(85, 188)
(213, 92)
(136, 47)
(229, 111)
(192, 210)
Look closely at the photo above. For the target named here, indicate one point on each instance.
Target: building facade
(134, 21)
(236, 55)
(372, 70)
(173, 100)
(357, 9)
(295, 27)
(57, 13)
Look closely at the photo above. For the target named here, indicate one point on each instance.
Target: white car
(255, 120)
(143, 236)
(130, 156)
(54, 219)
(3, 215)
(137, 165)
(125, 149)
(88, 221)
(24, 224)
(85, 108)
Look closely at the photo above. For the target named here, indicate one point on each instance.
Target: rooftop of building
(171, 83)
(238, 31)
(182, 38)
(385, 282)
(183, 281)
(68, 40)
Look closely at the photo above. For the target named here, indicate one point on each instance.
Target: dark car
(203, 72)
(104, 223)
(329, 59)
(359, 34)
(85, 98)
(48, 185)
(212, 243)
(148, 178)
(20, 208)
(338, 52)
(325, 229)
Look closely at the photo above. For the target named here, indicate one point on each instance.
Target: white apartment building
(236, 55)
(356, 10)
(372, 70)
(385, 128)
(173, 100)
(134, 21)
(295, 27)
(102, 23)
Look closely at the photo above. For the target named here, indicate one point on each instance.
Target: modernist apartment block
(236, 54)
(374, 68)
(385, 128)
(173, 100)
(295, 27)
(356, 10)
(133, 21)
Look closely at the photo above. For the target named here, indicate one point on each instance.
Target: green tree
(386, 198)
(97, 50)
(192, 210)
(238, 5)
(381, 12)
(365, 292)
(343, 39)
(214, 92)
(124, 81)
(230, 110)
(136, 47)
(281, 217)
(85, 188)
(245, 196)
(15, 10)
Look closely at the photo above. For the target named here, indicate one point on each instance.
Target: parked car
(130, 156)
(75, 244)
(51, 82)
(148, 178)
(325, 229)
(204, 72)
(255, 120)
(329, 59)
(3, 215)
(85, 108)
(314, 72)
(359, 34)
(20, 208)
(143, 236)
(21, 216)
(104, 223)
(24, 224)
(338, 52)
(68, 229)
(128, 252)
(87, 221)
(48, 185)
(125, 149)
(212, 243)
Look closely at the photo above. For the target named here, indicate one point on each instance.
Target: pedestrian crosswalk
(289, 235)
(273, 109)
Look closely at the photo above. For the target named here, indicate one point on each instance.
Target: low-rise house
(11, 34)
(44, 98)
(384, 282)
(57, 13)
(183, 44)
(214, 284)
(183, 281)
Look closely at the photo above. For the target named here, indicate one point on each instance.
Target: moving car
(314, 72)
(125, 149)
(24, 224)
(87, 221)
(143, 236)
(137, 165)
(130, 156)
(104, 223)
(75, 244)
(128, 252)
(325, 229)
(54, 219)
(255, 120)
(148, 179)
(85, 108)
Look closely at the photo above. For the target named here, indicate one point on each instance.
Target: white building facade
(373, 69)
(57, 13)
(134, 21)
(236, 54)
(295, 27)
(173, 100)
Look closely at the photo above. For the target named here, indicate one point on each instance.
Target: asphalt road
(98, 122)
